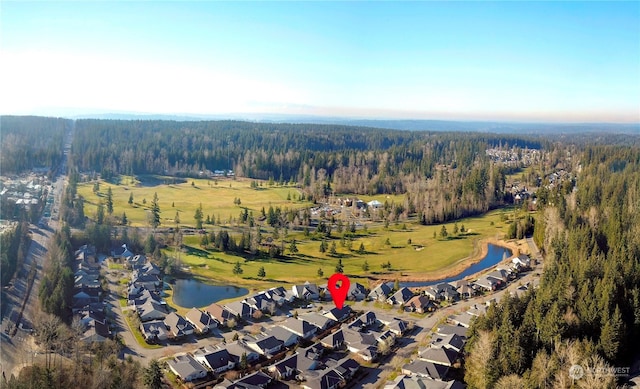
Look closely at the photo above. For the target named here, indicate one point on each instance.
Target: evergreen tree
(177, 218)
(332, 249)
(152, 376)
(124, 220)
(155, 212)
(292, 247)
(365, 265)
(455, 228)
(109, 201)
(198, 216)
(361, 249)
(320, 272)
(261, 272)
(130, 198)
(237, 268)
(323, 246)
(100, 214)
(443, 232)
(339, 267)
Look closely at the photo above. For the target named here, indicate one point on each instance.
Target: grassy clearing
(424, 255)
(216, 197)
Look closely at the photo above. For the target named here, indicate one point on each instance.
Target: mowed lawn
(217, 199)
(425, 255)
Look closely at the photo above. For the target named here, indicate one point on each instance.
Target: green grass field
(410, 247)
(217, 198)
(425, 255)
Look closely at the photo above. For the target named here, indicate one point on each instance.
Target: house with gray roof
(334, 340)
(151, 310)
(381, 292)
(240, 309)
(264, 345)
(237, 349)
(177, 325)
(451, 341)
(154, 331)
(287, 337)
(337, 314)
(257, 380)
(300, 327)
(422, 368)
(441, 355)
(201, 320)
(306, 291)
(186, 368)
(318, 320)
(218, 361)
(400, 297)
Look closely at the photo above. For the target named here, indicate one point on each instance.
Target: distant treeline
(447, 174)
(31, 141)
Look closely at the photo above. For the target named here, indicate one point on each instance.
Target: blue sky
(510, 61)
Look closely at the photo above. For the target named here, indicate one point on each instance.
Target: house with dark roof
(465, 289)
(265, 345)
(186, 368)
(448, 329)
(300, 327)
(422, 368)
(337, 314)
(442, 291)
(451, 341)
(400, 297)
(441, 355)
(463, 319)
(327, 379)
(420, 304)
(488, 283)
(136, 261)
(261, 302)
(177, 325)
(151, 282)
(287, 337)
(357, 292)
(334, 340)
(381, 292)
(414, 382)
(253, 381)
(218, 361)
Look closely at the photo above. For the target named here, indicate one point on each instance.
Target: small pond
(193, 293)
(495, 255)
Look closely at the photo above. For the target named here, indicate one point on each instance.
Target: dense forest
(447, 174)
(31, 141)
(15, 244)
(587, 308)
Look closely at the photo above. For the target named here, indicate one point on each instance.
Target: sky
(497, 61)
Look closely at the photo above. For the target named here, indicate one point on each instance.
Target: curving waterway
(193, 293)
(495, 254)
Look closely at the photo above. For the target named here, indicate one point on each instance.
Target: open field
(425, 258)
(184, 197)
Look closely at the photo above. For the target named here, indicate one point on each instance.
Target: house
(261, 302)
(136, 261)
(336, 314)
(144, 296)
(522, 260)
(237, 349)
(318, 320)
(361, 343)
(292, 365)
(186, 368)
(400, 297)
(441, 355)
(465, 289)
(300, 327)
(477, 310)
(409, 382)
(240, 309)
(96, 331)
(149, 281)
(463, 319)
(367, 319)
(177, 325)
(154, 331)
(449, 329)
(218, 361)
(150, 269)
(315, 351)
(375, 204)
(151, 310)
(201, 320)
(347, 368)
(328, 379)
(381, 292)
(442, 291)
(287, 337)
(420, 304)
(280, 295)
(265, 345)
(253, 381)
(398, 327)
(452, 341)
(334, 340)
(422, 368)
(121, 252)
(488, 283)
(85, 280)
(501, 274)
(219, 313)
(307, 291)
(86, 253)
(357, 292)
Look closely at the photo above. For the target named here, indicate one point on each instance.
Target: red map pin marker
(338, 292)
